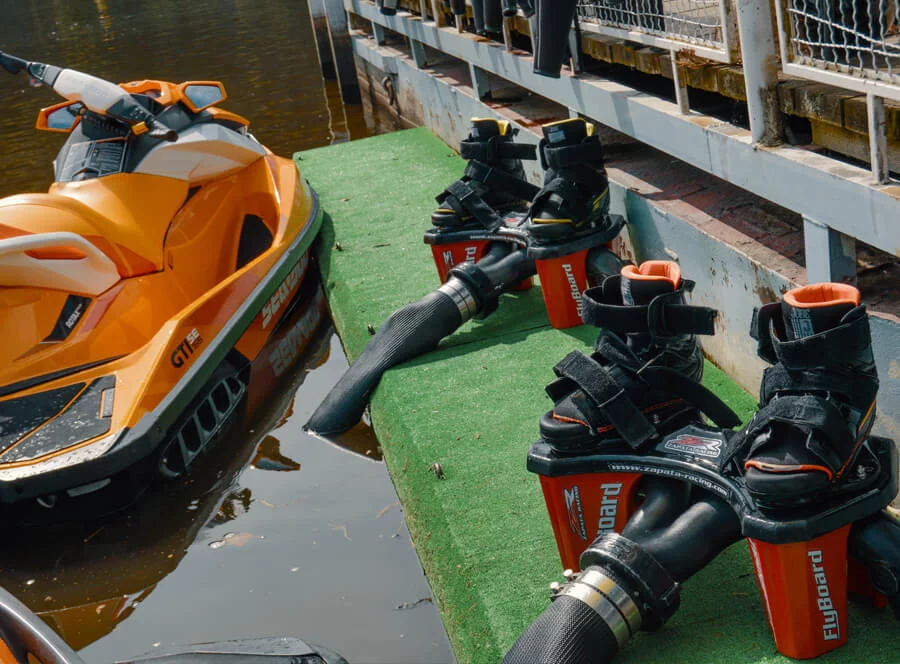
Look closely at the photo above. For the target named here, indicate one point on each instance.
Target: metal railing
(703, 26)
(855, 41)
(852, 44)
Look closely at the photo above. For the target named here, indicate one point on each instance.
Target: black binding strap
(855, 387)
(567, 156)
(808, 413)
(838, 345)
(575, 202)
(607, 395)
(492, 150)
(659, 319)
(499, 179)
(693, 392)
(469, 200)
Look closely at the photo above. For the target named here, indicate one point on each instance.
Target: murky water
(276, 532)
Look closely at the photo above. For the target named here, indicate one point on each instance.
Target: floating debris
(234, 539)
(438, 471)
(387, 508)
(342, 529)
(411, 605)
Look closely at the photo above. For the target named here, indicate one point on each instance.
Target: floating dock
(482, 533)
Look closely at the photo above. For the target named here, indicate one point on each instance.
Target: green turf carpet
(482, 533)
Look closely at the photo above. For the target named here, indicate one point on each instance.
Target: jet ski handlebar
(95, 94)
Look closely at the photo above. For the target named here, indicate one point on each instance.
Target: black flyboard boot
(575, 195)
(643, 378)
(493, 184)
(817, 401)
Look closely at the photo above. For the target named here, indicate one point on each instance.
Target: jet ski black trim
(135, 444)
(28, 383)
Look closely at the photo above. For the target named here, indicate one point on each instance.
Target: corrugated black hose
(472, 289)
(630, 581)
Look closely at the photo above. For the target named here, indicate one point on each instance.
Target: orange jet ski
(138, 296)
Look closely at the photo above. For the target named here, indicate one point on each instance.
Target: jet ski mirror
(200, 95)
(59, 117)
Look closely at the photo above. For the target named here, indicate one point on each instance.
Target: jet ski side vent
(201, 427)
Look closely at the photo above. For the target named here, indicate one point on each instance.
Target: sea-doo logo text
(470, 254)
(831, 628)
(609, 507)
(186, 348)
(576, 291)
(695, 445)
(71, 320)
(576, 516)
(448, 259)
(280, 296)
(295, 340)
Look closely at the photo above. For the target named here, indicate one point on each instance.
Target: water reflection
(269, 456)
(264, 53)
(148, 575)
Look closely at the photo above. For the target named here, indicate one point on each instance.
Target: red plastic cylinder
(563, 280)
(804, 589)
(583, 506)
(450, 254)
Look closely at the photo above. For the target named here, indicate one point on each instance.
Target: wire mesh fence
(859, 37)
(691, 21)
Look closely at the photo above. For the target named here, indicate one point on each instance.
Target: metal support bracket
(830, 255)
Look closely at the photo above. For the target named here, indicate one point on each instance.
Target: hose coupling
(462, 297)
(603, 594)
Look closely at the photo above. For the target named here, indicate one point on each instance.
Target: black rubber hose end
(410, 331)
(568, 632)
(554, 19)
(875, 542)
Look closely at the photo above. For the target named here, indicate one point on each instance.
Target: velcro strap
(500, 180)
(659, 319)
(492, 149)
(608, 397)
(469, 199)
(761, 329)
(809, 413)
(854, 386)
(838, 345)
(571, 155)
(693, 392)
(574, 200)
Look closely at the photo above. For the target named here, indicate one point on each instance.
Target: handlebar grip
(11, 63)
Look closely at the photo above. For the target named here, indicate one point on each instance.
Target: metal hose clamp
(614, 606)
(461, 296)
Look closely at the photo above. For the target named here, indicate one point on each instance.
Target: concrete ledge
(482, 533)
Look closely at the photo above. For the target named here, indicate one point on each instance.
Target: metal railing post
(480, 81)
(878, 138)
(342, 50)
(760, 70)
(417, 49)
(681, 90)
(830, 255)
